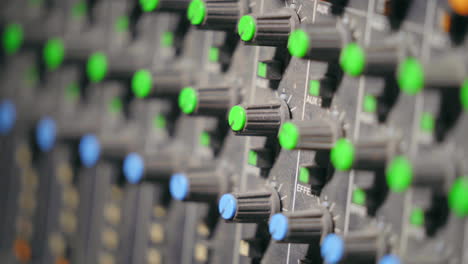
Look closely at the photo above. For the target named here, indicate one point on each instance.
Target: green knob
(410, 76)
(96, 67)
(399, 174)
(196, 12)
(246, 28)
(288, 136)
(458, 196)
(464, 94)
(417, 217)
(188, 100)
(142, 83)
(359, 196)
(298, 43)
(53, 54)
(237, 118)
(12, 38)
(353, 59)
(148, 5)
(342, 154)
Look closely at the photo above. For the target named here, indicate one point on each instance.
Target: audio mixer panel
(234, 131)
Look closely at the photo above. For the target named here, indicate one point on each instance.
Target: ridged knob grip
(201, 185)
(210, 101)
(249, 207)
(215, 14)
(364, 154)
(321, 41)
(268, 29)
(160, 168)
(258, 120)
(315, 134)
(356, 247)
(146, 84)
(301, 226)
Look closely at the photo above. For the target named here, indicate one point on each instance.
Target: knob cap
(258, 120)
(212, 101)
(161, 84)
(368, 154)
(458, 196)
(89, 150)
(7, 116)
(249, 207)
(202, 185)
(267, 29)
(301, 226)
(138, 168)
(13, 36)
(321, 41)
(46, 132)
(390, 259)
(316, 134)
(376, 60)
(362, 247)
(214, 14)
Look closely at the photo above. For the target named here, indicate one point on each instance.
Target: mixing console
(234, 131)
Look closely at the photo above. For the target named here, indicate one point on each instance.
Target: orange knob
(459, 6)
(22, 250)
(446, 22)
(61, 260)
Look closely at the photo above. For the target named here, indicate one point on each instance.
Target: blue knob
(133, 167)
(89, 150)
(227, 206)
(390, 259)
(332, 248)
(179, 186)
(7, 116)
(278, 226)
(46, 132)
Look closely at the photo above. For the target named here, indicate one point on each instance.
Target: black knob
(115, 66)
(321, 41)
(268, 29)
(215, 14)
(270, 70)
(315, 134)
(200, 185)
(338, 6)
(379, 59)
(249, 207)
(446, 71)
(158, 168)
(113, 147)
(356, 247)
(146, 84)
(430, 168)
(364, 154)
(210, 101)
(258, 120)
(396, 10)
(118, 145)
(262, 158)
(49, 131)
(164, 5)
(301, 226)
